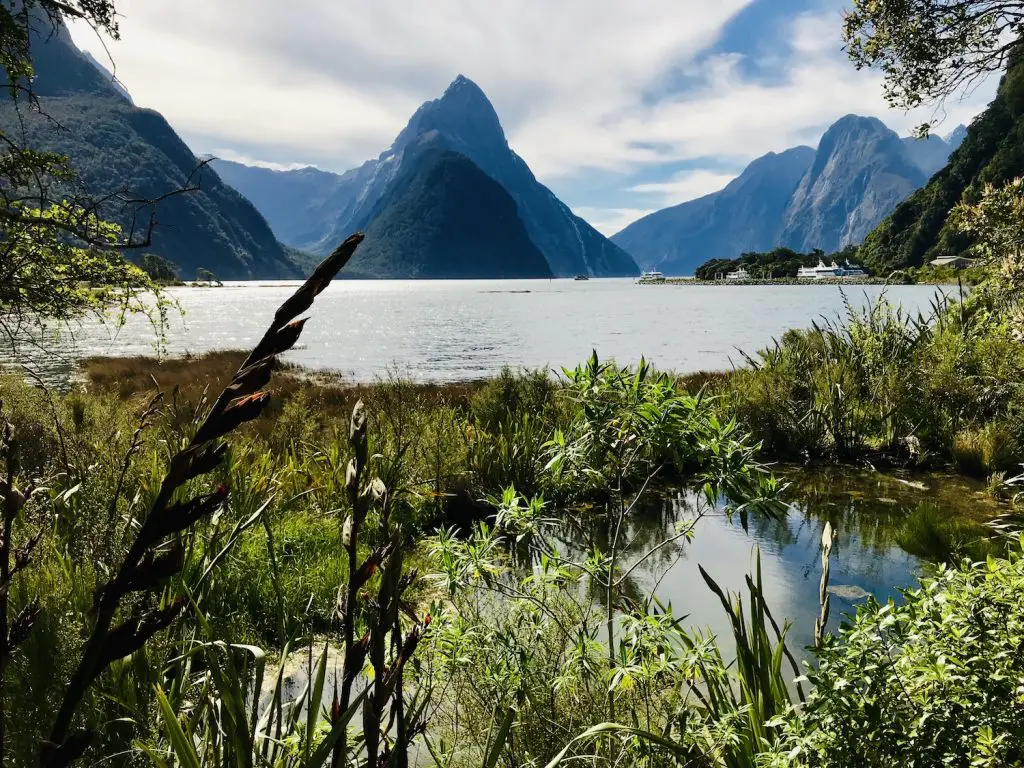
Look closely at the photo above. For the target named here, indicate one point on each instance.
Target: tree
(996, 224)
(29, 179)
(204, 275)
(159, 269)
(930, 49)
(46, 276)
(59, 259)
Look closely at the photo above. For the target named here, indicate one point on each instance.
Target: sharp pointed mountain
(744, 216)
(445, 218)
(956, 137)
(463, 121)
(117, 148)
(861, 171)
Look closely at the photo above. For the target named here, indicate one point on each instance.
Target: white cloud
(336, 81)
(684, 186)
(730, 116)
(608, 221)
(240, 157)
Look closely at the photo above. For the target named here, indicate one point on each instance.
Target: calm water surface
(456, 330)
(877, 553)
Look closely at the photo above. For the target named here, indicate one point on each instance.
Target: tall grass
(885, 385)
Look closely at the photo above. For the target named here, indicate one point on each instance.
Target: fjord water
(448, 330)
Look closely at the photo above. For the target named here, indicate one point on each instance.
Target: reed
(939, 387)
(13, 630)
(828, 540)
(157, 554)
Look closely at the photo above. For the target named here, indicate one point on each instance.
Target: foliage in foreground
(935, 681)
(266, 569)
(45, 275)
(521, 658)
(884, 383)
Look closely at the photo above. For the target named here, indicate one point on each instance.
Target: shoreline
(135, 378)
(840, 281)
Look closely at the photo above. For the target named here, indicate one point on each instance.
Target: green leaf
(181, 745)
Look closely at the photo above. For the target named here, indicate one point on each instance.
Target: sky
(621, 108)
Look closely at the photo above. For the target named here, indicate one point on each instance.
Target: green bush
(934, 682)
(510, 395)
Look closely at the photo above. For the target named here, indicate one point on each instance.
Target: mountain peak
(854, 133)
(861, 171)
(463, 115)
(466, 97)
(856, 123)
(799, 156)
(461, 81)
(956, 137)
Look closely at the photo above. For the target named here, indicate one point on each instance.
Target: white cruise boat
(825, 272)
(739, 274)
(808, 273)
(851, 270)
(652, 275)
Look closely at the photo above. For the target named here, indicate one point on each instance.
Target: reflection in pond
(890, 528)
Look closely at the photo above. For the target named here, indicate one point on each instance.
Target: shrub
(936, 681)
(510, 395)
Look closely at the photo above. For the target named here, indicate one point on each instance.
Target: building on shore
(956, 262)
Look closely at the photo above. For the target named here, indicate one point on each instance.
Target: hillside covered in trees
(992, 152)
(126, 157)
(445, 218)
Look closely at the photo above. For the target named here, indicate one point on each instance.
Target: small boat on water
(582, 277)
(652, 276)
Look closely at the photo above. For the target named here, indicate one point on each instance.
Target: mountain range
(310, 209)
(122, 153)
(802, 198)
(450, 198)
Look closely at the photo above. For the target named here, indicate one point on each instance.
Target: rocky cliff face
(802, 199)
(861, 171)
(744, 216)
